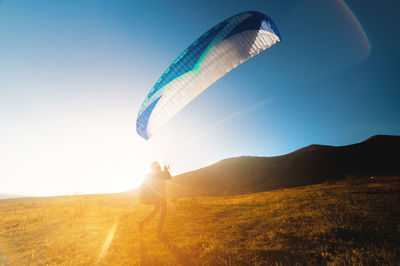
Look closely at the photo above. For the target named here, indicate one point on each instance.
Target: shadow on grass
(281, 257)
(145, 259)
(181, 255)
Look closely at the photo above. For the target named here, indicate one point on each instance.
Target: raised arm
(166, 173)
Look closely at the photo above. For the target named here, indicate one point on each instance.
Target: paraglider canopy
(211, 56)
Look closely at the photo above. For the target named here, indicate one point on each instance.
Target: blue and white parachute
(215, 53)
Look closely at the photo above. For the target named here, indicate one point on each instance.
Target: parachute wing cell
(215, 53)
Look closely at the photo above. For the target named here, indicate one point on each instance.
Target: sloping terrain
(340, 223)
(377, 156)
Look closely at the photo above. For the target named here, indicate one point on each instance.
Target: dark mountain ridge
(379, 155)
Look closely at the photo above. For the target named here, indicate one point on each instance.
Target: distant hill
(9, 196)
(376, 156)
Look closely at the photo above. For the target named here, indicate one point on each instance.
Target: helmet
(155, 166)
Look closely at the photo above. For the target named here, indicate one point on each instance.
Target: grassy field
(347, 222)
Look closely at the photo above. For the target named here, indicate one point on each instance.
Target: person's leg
(162, 215)
(152, 214)
(149, 217)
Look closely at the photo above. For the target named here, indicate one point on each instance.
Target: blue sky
(73, 75)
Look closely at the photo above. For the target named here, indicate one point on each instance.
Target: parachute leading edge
(215, 53)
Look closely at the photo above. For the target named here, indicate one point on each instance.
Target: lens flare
(356, 22)
(11, 259)
(108, 241)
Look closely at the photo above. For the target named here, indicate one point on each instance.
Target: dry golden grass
(332, 224)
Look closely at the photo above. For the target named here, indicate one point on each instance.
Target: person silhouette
(152, 192)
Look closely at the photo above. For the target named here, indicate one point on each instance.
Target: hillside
(343, 223)
(376, 156)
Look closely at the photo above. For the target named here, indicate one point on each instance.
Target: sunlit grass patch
(333, 223)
